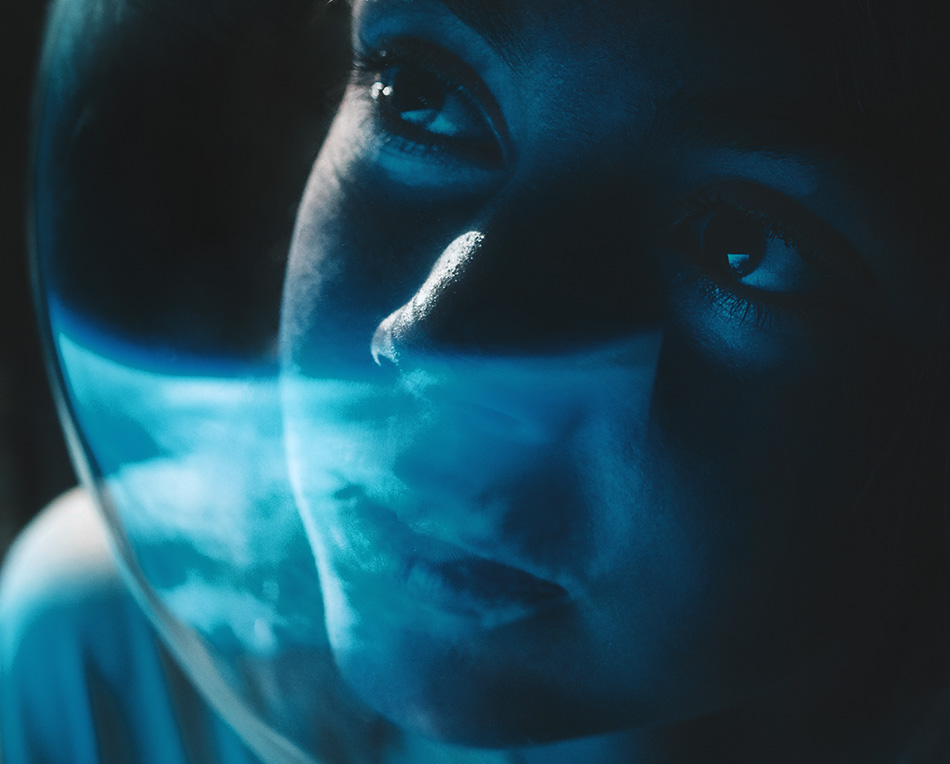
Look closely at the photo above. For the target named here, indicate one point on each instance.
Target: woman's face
(592, 337)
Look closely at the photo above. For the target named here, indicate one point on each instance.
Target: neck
(837, 711)
(820, 717)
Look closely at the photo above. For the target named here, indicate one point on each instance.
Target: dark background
(34, 466)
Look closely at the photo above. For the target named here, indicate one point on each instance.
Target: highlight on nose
(396, 329)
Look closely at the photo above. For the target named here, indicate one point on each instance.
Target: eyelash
(772, 221)
(758, 312)
(371, 64)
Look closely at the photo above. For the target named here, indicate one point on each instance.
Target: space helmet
(171, 145)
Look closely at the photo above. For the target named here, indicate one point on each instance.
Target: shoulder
(60, 602)
(59, 588)
(63, 554)
(83, 678)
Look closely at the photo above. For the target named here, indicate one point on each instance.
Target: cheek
(722, 506)
(796, 425)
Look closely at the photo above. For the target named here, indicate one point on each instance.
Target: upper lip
(494, 550)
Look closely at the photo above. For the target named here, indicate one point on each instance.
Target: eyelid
(815, 239)
(416, 52)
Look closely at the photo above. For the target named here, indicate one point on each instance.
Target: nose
(543, 278)
(411, 325)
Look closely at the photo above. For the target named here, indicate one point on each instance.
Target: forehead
(616, 27)
(621, 51)
(632, 71)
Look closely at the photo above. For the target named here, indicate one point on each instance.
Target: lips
(378, 549)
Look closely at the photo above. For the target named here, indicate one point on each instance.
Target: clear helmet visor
(517, 381)
(171, 147)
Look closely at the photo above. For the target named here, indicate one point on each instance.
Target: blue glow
(737, 260)
(191, 453)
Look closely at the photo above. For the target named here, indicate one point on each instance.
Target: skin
(521, 342)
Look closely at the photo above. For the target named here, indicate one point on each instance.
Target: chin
(459, 684)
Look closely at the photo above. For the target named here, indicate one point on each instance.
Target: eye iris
(433, 109)
(734, 242)
(415, 96)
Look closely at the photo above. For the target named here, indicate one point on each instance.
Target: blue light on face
(190, 452)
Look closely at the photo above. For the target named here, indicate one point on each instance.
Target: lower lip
(436, 573)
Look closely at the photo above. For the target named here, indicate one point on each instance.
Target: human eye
(753, 254)
(429, 105)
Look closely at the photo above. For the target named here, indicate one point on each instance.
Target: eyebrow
(744, 121)
(766, 122)
(759, 122)
(495, 21)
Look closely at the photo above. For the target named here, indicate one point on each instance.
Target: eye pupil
(734, 242)
(415, 95)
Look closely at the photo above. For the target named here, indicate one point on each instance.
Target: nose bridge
(548, 267)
